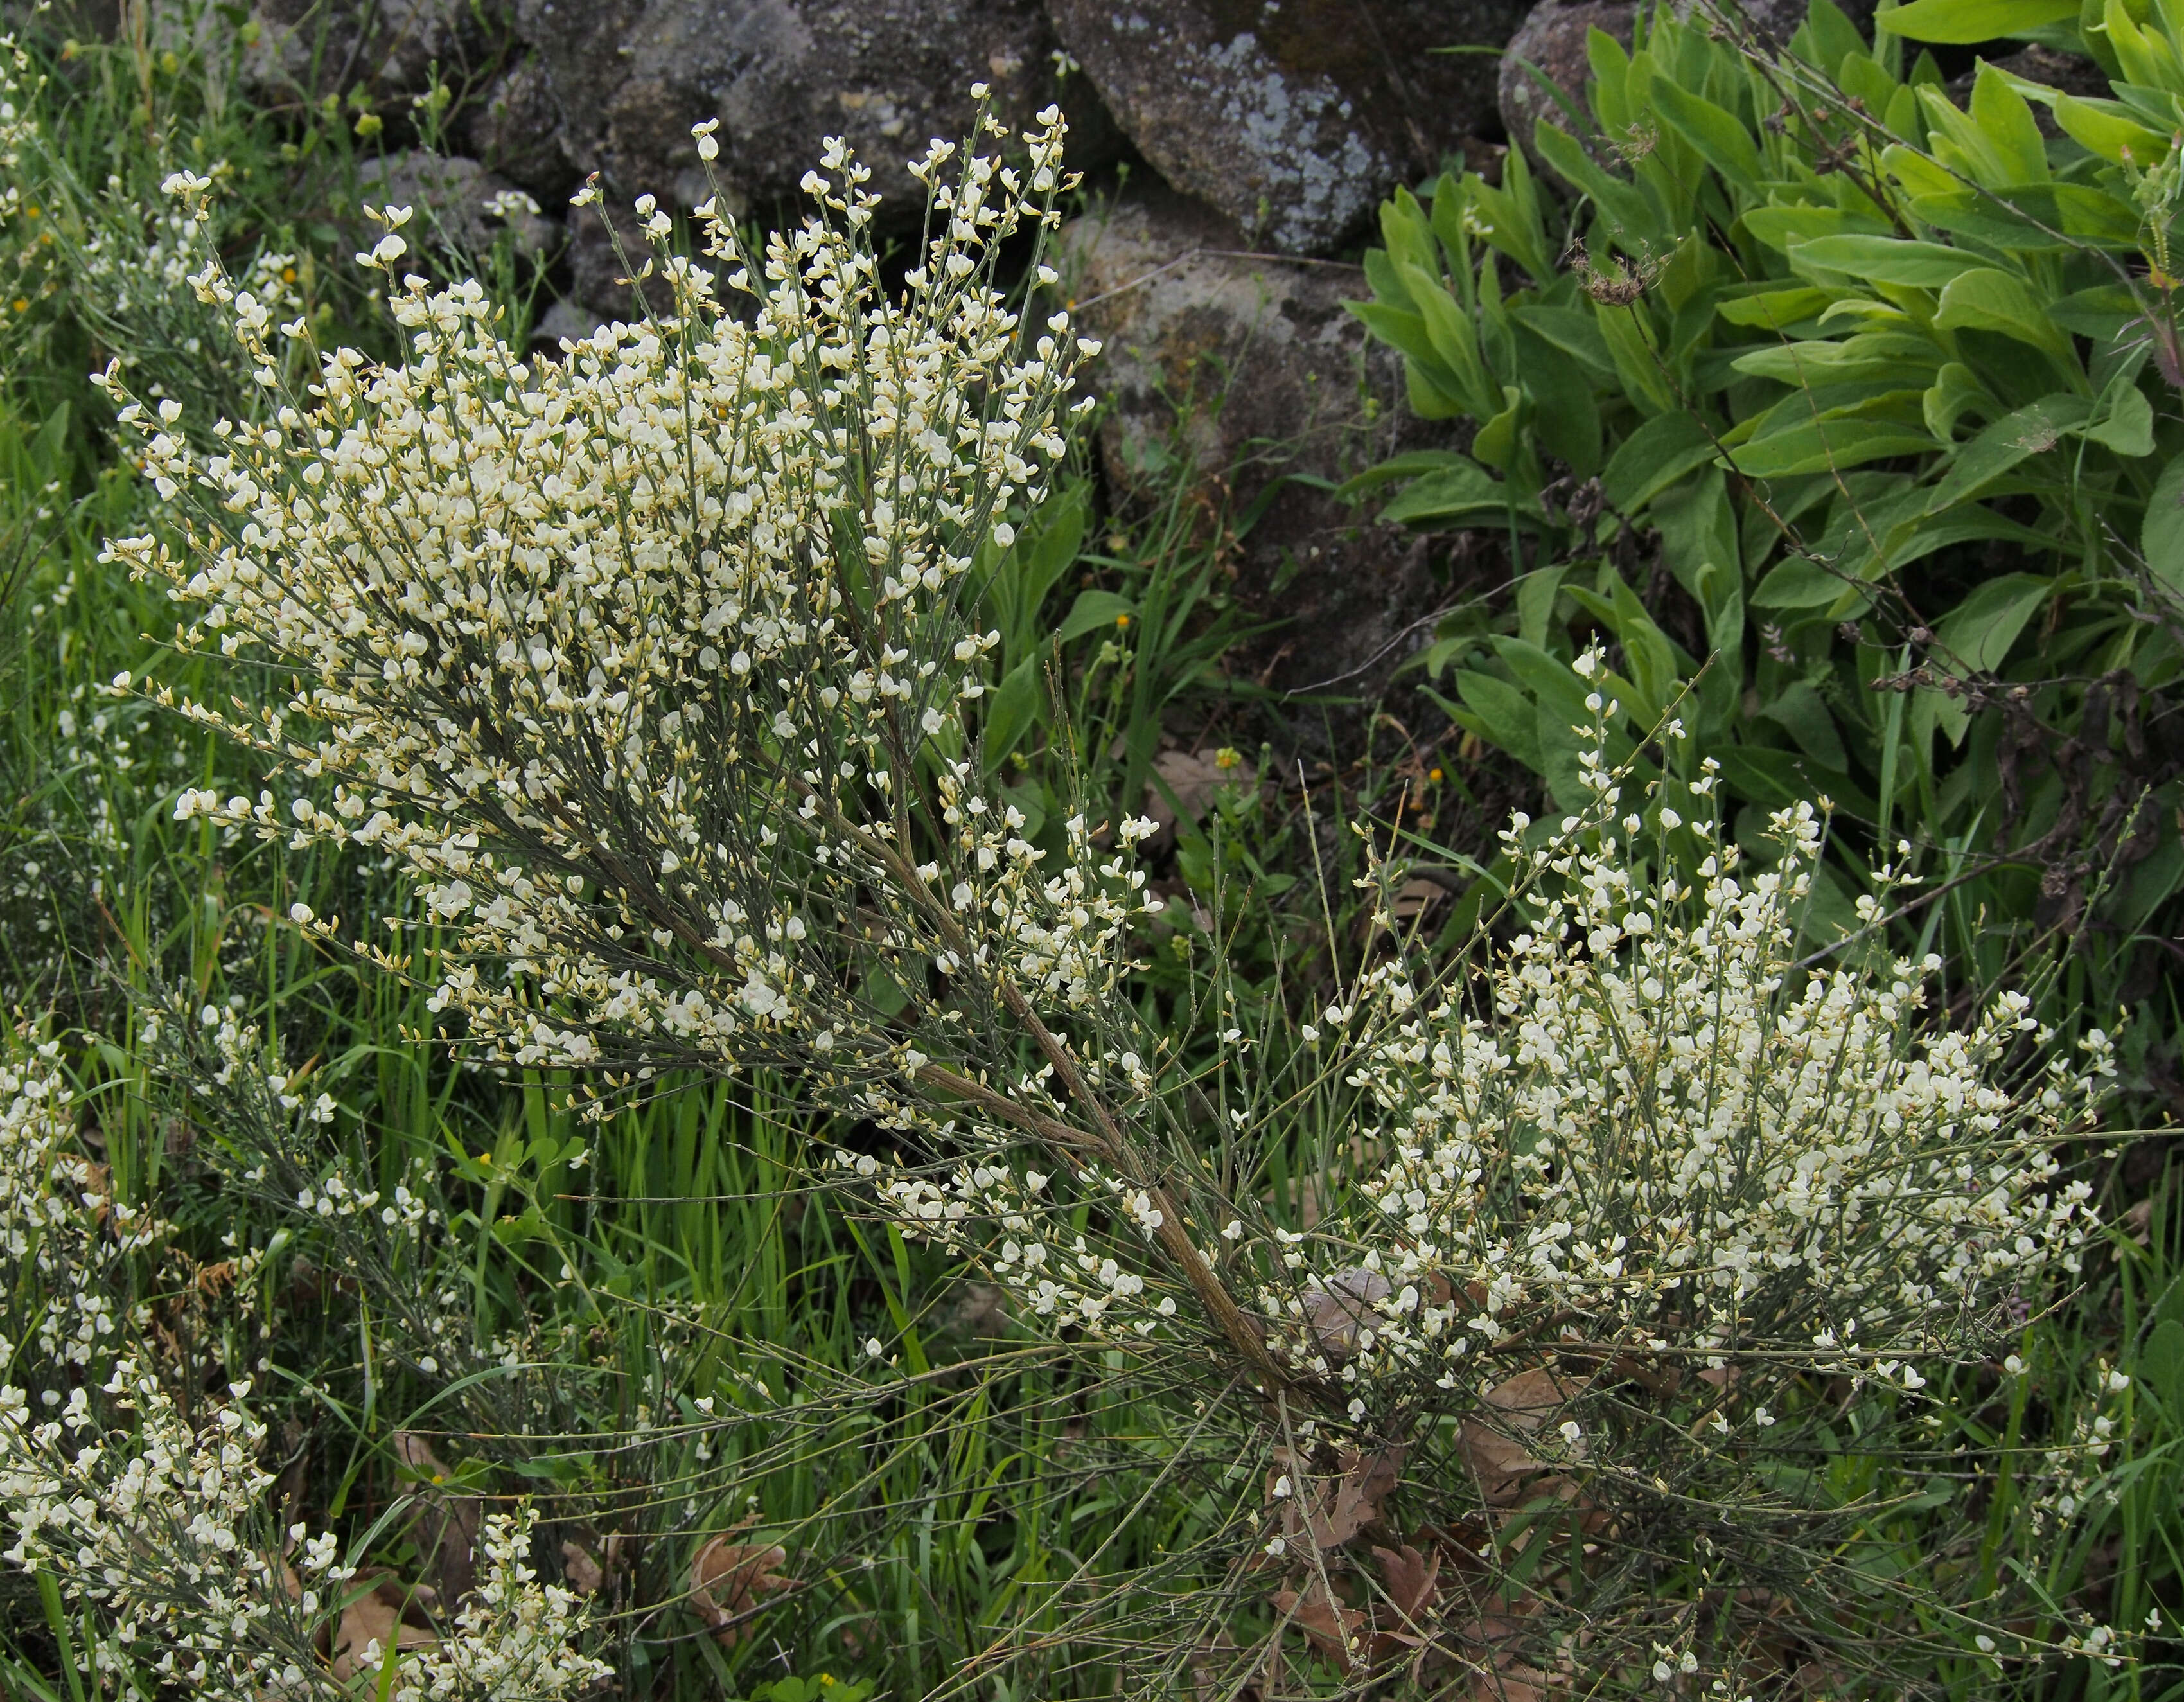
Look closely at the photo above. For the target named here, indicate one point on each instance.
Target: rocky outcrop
(389, 49)
(1550, 43)
(1294, 118)
(1250, 369)
(515, 131)
(630, 77)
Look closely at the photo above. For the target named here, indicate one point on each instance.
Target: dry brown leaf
(1339, 1312)
(1410, 1578)
(444, 1527)
(375, 1617)
(1332, 1627)
(1193, 776)
(727, 1579)
(584, 1573)
(1337, 1511)
(1498, 1444)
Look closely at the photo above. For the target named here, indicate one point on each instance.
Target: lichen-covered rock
(389, 49)
(515, 129)
(1250, 369)
(1292, 117)
(630, 77)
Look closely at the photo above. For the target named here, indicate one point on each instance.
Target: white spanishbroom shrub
(652, 664)
(152, 1516)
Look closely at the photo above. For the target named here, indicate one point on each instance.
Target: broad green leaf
(2101, 313)
(1801, 582)
(2107, 129)
(1407, 232)
(1499, 442)
(2127, 424)
(1535, 601)
(1453, 339)
(1505, 716)
(2030, 431)
(1828, 36)
(1986, 299)
(1802, 712)
(1399, 327)
(2033, 218)
(1630, 216)
(2003, 116)
(1699, 546)
(1411, 464)
(1955, 392)
(1572, 330)
(1977, 635)
(1721, 140)
(1773, 779)
(1775, 309)
(1783, 226)
(1964, 22)
(1563, 416)
(1096, 612)
(1892, 355)
(2161, 1364)
(1883, 259)
(1461, 490)
(1636, 362)
(1654, 457)
(2145, 55)
(1829, 445)
(2161, 539)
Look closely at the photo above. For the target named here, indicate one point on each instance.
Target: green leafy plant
(1852, 410)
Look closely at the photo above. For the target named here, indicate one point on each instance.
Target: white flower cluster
(59, 1225)
(649, 661)
(1671, 1138)
(1013, 1220)
(513, 1640)
(1670, 1143)
(164, 1527)
(137, 269)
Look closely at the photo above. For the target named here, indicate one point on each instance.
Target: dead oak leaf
(727, 1580)
(1498, 1443)
(1331, 1625)
(372, 1624)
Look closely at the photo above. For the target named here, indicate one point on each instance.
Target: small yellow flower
(22, 304)
(1436, 775)
(1228, 757)
(31, 211)
(1122, 620)
(370, 125)
(287, 275)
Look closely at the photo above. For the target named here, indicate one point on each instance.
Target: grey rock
(1552, 41)
(1294, 118)
(389, 47)
(515, 129)
(457, 204)
(629, 78)
(1247, 369)
(564, 320)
